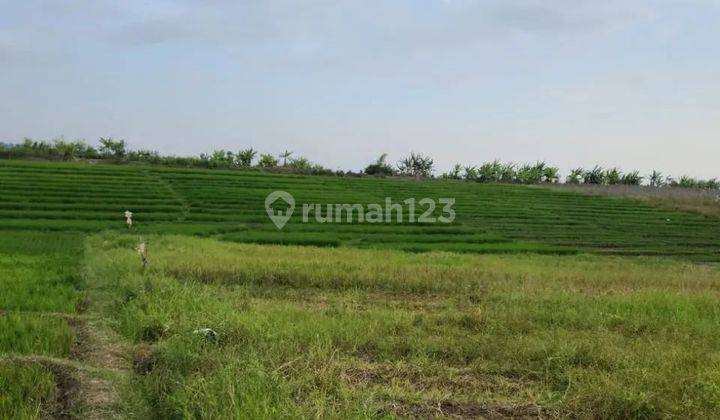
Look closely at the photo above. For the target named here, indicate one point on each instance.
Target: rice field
(40, 290)
(230, 205)
(533, 303)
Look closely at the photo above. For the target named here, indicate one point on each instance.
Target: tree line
(415, 165)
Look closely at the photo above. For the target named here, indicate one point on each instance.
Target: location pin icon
(279, 217)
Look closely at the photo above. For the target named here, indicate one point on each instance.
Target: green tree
(284, 156)
(576, 176)
(113, 148)
(595, 176)
(656, 179)
(551, 174)
(471, 173)
(416, 165)
(245, 157)
(490, 171)
(613, 176)
(267, 161)
(631, 178)
(68, 150)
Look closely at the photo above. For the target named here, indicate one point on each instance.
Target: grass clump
(25, 389)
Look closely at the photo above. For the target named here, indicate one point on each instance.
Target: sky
(627, 83)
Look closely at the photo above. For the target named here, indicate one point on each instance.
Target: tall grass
(310, 332)
(24, 389)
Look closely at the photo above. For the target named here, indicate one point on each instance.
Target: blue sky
(628, 83)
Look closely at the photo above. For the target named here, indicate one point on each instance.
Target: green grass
(24, 389)
(317, 332)
(34, 334)
(528, 304)
(38, 278)
(38, 271)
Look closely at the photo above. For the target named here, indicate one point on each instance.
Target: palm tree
(656, 179)
(576, 176)
(613, 176)
(245, 157)
(595, 176)
(551, 174)
(631, 178)
(284, 156)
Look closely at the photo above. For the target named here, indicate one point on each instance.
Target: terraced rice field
(230, 205)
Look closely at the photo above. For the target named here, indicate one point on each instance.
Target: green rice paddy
(230, 204)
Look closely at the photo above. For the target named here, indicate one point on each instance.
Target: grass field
(533, 303)
(309, 332)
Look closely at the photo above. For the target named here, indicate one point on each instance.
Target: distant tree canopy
(600, 176)
(415, 165)
(113, 148)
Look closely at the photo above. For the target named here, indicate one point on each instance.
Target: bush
(267, 161)
(416, 165)
(380, 167)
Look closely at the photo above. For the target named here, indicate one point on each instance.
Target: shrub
(577, 176)
(245, 157)
(613, 176)
(267, 161)
(416, 165)
(631, 178)
(489, 172)
(595, 176)
(116, 149)
(380, 167)
(656, 179)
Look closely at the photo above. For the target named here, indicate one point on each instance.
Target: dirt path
(89, 381)
(106, 367)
